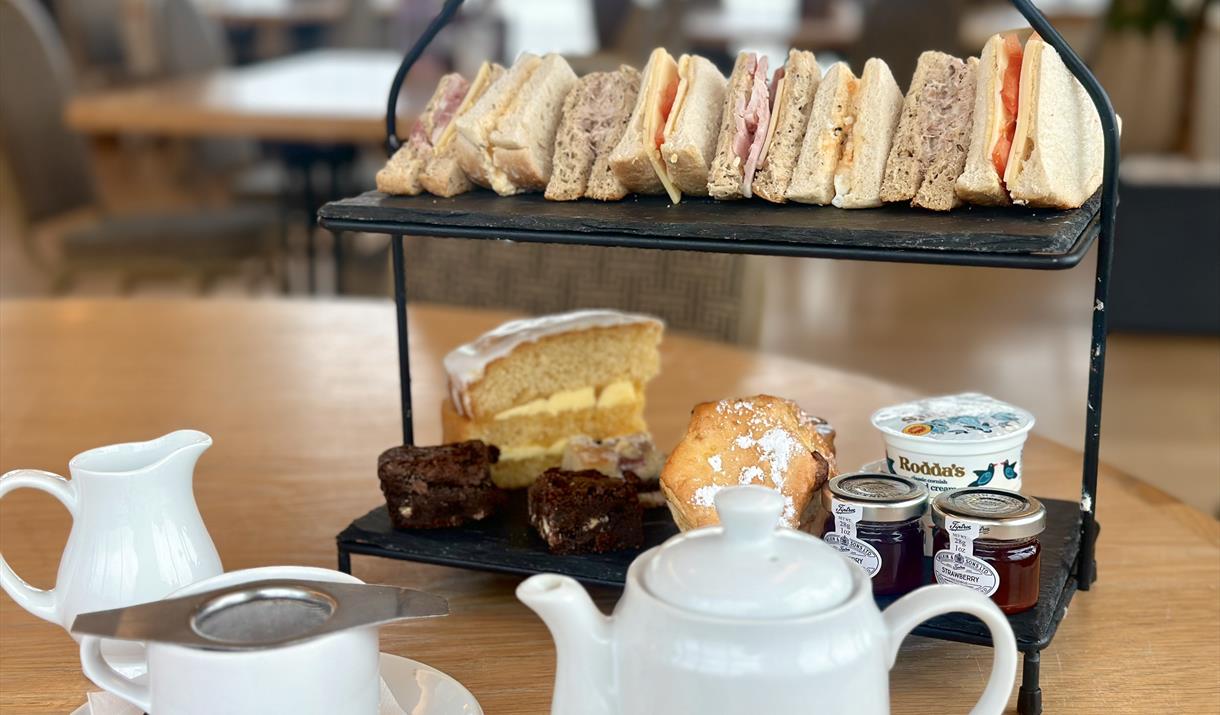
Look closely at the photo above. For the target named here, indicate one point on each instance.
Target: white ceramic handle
(44, 604)
(922, 604)
(99, 671)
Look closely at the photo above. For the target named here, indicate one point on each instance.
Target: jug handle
(44, 604)
(99, 671)
(922, 604)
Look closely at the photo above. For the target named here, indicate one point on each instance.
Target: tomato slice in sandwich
(1010, 89)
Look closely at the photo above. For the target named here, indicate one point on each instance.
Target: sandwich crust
(725, 175)
(630, 160)
(443, 175)
(979, 182)
(788, 124)
(936, 192)
(813, 179)
(875, 112)
(910, 154)
(401, 174)
(523, 142)
(595, 115)
(690, 131)
(474, 150)
(1057, 154)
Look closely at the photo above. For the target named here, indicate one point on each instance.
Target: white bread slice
(956, 117)
(861, 166)
(690, 130)
(631, 160)
(401, 173)
(727, 171)
(523, 142)
(980, 183)
(1057, 153)
(442, 176)
(792, 104)
(813, 180)
(594, 117)
(475, 127)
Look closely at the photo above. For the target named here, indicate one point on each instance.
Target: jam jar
(987, 540)
(873, 519)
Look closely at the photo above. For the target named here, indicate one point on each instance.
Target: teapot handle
(922, 604)
(44, 604)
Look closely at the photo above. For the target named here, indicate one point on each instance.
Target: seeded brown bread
(813, 180)
(724, 178)
(937, 191)
(595, 115)
(910, 154)
(801, 78)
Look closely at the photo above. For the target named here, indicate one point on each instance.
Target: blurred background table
(317, 108)
(323, 96)
(302, 396)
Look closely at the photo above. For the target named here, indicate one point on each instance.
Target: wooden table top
(301, 397)
(319, 96)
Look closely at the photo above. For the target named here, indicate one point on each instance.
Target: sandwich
(690, 129)
(473, 140)
(595, 116)
(743, 129)
(793, 89)
(1058, 153)
(813, 182)
(442, 175)
(995, 122)
(874, 116)
(634, 161)
(523, 141)
(401, 173)
(929, 149)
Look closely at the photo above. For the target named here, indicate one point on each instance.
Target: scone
(761, 440)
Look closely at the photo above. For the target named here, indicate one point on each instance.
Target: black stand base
(1029, 698)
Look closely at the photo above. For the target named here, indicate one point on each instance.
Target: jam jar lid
(881, 497)
(1000, 515)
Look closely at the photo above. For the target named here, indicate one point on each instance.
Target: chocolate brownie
(438, 487)
(586, 511)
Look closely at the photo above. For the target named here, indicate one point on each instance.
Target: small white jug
(136, 532)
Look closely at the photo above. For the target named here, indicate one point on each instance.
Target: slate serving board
(791, 227)
(506, 543)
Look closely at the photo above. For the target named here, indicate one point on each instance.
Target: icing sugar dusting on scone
(760, 440)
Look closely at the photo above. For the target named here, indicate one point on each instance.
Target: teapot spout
(585, 678)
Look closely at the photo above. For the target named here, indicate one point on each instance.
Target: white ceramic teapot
(745, 618)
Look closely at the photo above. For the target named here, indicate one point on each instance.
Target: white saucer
(419, 690)
(423, 690)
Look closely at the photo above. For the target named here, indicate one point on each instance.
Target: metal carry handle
(392, 142)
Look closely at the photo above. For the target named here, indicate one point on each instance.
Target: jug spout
(177, 451)
(585, 678)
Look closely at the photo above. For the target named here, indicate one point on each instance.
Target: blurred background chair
(64, 228)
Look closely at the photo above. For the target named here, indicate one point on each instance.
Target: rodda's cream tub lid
(967, 417)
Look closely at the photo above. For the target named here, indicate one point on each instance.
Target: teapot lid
(749, 566)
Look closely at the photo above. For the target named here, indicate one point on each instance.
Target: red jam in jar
(873, 519)
(987, 540)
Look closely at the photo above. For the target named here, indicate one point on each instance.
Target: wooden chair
(55, 194)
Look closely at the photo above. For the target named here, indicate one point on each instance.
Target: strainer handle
(99, 671)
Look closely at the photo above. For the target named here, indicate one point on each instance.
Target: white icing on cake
(466, 363)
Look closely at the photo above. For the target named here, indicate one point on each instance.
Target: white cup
(333, 674)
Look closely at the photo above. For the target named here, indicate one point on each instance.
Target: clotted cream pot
(745, 618)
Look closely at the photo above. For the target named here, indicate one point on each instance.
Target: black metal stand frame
(1030, 694)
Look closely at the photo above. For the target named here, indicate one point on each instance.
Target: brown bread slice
(789, 121)
(937, 191)
(595, 115)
